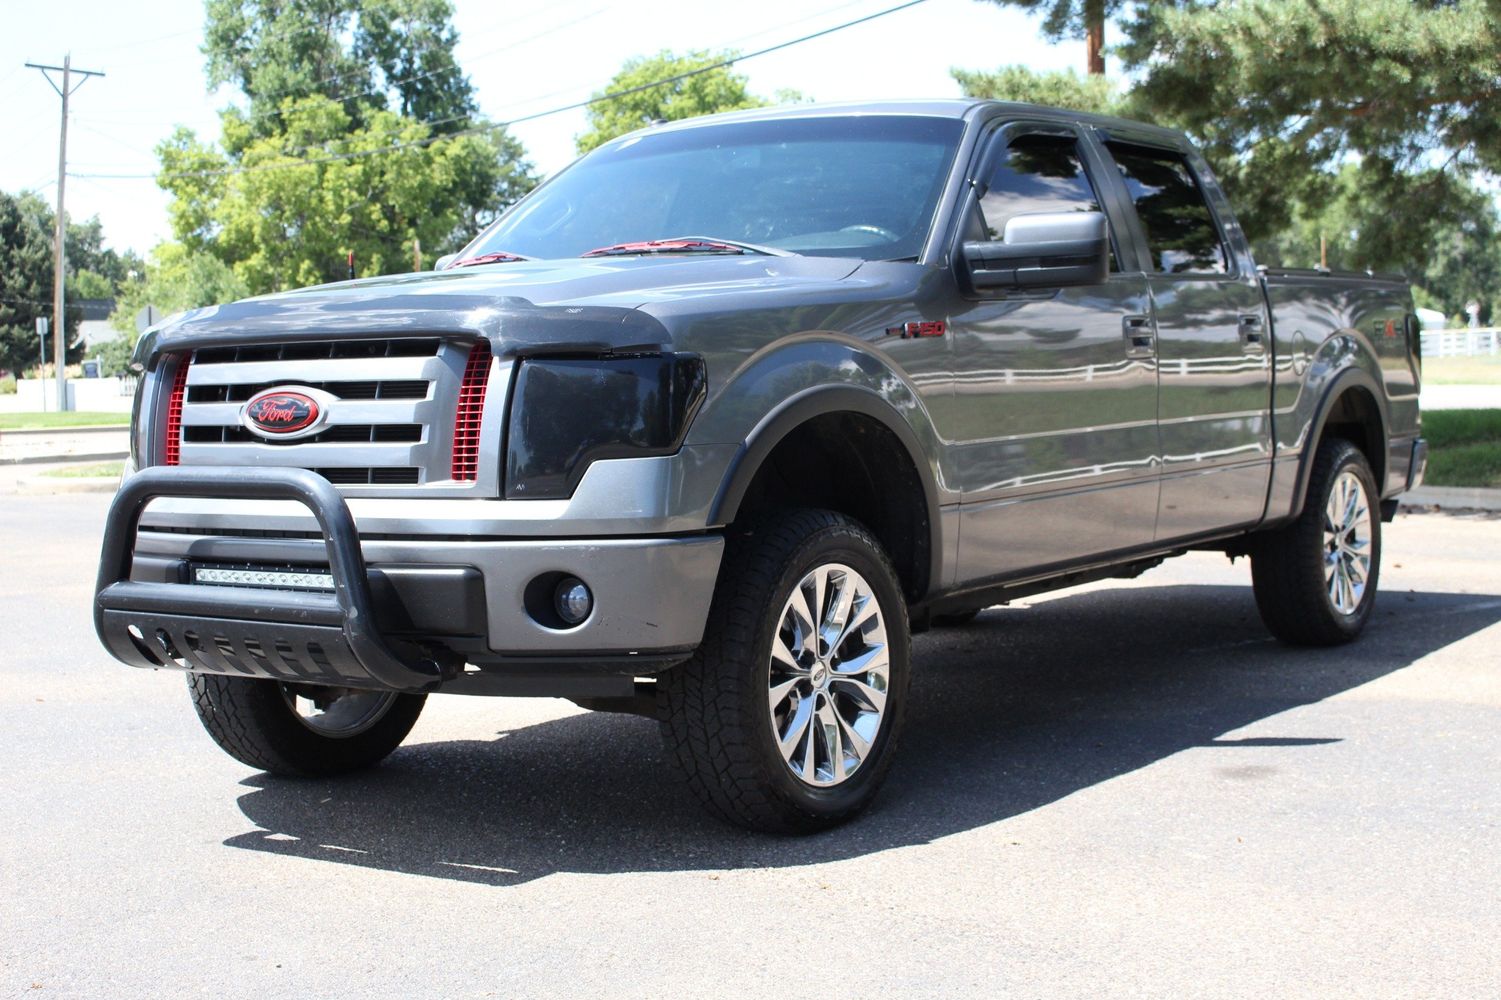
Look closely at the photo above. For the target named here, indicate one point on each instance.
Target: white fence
(107, 395)
(1461, 343)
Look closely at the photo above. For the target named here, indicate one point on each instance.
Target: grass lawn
(1483, 370)
(1464, 447)
(71, 418)
(100, 470)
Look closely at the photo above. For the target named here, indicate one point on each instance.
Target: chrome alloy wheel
(829, 673)
(337, 712)
(1347, 543)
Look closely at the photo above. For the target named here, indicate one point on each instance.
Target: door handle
(1252, 335)
(1141, 340)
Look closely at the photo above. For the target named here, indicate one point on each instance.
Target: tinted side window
(1040, 173)
(1181, 232)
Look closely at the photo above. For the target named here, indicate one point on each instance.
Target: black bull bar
(287, 635)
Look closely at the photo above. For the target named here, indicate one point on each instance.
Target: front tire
(1315, 579)
(299, 730)
(787, 716)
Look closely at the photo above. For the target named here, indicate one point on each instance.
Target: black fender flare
(816, 402)
(1350, 378)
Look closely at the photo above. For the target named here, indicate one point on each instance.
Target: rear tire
(1315, 579)
(786, 718)
(258, 722)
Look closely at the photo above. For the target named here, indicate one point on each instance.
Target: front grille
(390, 422)
(373, 433)
(314, 350)
(369, 477)
(390, 389)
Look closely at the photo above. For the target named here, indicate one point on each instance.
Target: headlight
(569, 412)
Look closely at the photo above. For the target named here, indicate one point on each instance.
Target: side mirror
(444, 261)
(1043, 250)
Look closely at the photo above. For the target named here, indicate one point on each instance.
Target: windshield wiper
(488, 258)
(685, 244)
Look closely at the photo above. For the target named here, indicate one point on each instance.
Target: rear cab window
(1181, 232)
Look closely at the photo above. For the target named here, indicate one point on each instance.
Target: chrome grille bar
(387, 431)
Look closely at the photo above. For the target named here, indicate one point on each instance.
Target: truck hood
(596, 305)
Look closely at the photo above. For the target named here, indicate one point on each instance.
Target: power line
(496, 126)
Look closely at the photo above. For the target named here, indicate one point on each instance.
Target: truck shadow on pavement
(1015, 711)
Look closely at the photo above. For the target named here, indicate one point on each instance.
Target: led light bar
(270, 578)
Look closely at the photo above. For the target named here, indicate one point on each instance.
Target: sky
(521, 58)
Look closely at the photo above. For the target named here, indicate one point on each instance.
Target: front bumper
(463, 597)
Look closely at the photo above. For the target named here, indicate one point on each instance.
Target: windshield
(848, 187)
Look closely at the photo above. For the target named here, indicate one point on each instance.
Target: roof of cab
(957, 108)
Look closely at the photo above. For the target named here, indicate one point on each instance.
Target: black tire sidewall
(250, 719)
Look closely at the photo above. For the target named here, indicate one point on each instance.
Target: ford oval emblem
(282, 413)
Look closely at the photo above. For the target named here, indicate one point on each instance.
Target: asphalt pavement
(1123, 790)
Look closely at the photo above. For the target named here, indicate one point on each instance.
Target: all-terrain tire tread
(703, 702)
(248, 719)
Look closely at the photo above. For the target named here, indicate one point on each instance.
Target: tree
(286, 218)
(26, 259)
(1282, 93)
(1287, 97)
(639, 104)
(357, 139)
(173, 279)
(1065, 89)
(366, 55)
(1075, 19)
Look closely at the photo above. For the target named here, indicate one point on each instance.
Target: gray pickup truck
(708, 424)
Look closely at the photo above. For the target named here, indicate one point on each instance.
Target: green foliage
(1447, 244)
(68, 418)
(26, 230)
(174, 279)
(1362, 120)
(1282, 92)
(704, 94)
(1465, 447)
(7, 385)
(351, 143)
(1066, 18)
(369, 56)
(1055, 89)
(89, 285)
(290, 219)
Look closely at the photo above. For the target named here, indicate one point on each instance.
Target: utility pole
(60, 337)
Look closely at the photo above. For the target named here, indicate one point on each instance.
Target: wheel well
(1356, 418)
(854, 464)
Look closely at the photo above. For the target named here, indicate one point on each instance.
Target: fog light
(572, 600)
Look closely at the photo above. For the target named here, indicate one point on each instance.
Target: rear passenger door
(1213, 332)
(1053, 416)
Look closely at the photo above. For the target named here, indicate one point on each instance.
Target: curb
(1456, 497)
(82, 429)
(47, 485)
(101, 456)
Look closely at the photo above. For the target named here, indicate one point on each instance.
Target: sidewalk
(30, 479)
(1453, 498)
(76, 444)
